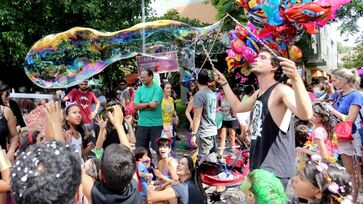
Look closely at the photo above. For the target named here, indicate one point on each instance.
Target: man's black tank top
(271, 148)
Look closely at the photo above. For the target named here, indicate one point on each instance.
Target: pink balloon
(248, 54)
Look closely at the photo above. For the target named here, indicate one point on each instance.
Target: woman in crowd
(168, 111)
(346, 106)
(229, 124)
(8, 132)
(321, 182)
(184, 192)
(5, 101)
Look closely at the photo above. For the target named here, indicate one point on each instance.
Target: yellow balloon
(295, 53)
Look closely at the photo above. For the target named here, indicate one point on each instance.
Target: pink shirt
(322, 134)
(84, 100)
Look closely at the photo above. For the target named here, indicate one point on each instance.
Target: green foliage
(23, 22)
(354, 60)
(232, 8)
(349, 15)
(342, 48)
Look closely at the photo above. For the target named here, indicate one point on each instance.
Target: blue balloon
(272, 12)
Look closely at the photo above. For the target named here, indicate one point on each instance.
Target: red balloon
(308, 12)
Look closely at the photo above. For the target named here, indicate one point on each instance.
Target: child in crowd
(92, 167)
(263, 187)
(166, 171)
(75, 132)
(322, 182)
(321, 140)
(142, 164)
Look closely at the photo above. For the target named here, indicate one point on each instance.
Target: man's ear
(318, 194)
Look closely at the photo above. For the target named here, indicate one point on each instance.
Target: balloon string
(215, 39)
(248, 30)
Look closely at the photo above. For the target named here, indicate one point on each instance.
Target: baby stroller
(229, 174)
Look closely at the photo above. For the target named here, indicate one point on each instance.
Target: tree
(354, 60)
(342, 48)
(225, 7)
(24, 22)
(349, 15)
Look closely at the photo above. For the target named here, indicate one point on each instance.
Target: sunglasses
(122, 84)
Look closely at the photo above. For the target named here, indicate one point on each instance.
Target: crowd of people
(99, 149)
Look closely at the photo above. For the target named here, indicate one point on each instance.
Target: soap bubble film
(68, 58)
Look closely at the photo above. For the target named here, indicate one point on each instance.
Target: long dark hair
(80, 128)
(3, 88)
(190, 166)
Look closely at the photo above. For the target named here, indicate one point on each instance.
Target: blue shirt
(342, 103)
(142, 168)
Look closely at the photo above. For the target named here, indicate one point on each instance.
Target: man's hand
(289, 68)
(116, 117)
(219, 77)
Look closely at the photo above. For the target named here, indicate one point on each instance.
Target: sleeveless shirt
(271, 148)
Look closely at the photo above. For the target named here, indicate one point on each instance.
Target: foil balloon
(295, 53)
(233, 60)
(248, 54)
(271, 9)
(237, 45)
(68, 58)
(306, 13)
(254, 13)
(233, 35)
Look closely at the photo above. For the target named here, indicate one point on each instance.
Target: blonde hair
(350, 76)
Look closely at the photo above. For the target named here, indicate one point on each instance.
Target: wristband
(224, 84)
(147, 105)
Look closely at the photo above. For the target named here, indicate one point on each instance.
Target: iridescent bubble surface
(68, 58)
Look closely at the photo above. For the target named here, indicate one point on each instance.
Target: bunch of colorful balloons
(277, 23)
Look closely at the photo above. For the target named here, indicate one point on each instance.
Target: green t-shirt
(145, 94)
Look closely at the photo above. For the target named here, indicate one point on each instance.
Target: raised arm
(301, 106)
(102, 133)
(117, 118)
(54, 117)
(236, 104)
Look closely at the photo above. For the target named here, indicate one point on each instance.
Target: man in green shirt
(147, 101)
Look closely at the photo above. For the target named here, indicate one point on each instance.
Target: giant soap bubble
(68, 58)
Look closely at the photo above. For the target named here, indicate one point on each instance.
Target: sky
(161, 6)
(348, 40)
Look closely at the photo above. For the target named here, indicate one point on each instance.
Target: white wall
(329, 48)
